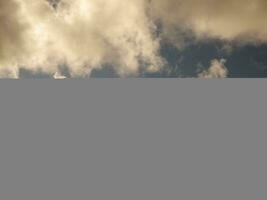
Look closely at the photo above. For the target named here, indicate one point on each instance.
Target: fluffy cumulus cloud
(216, 70)
(82, 34)
(89, 34)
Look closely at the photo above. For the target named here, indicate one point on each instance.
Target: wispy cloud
(217, 69)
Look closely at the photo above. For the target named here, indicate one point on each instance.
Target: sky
(61, 39)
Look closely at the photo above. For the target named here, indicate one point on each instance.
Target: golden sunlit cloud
(89, 34)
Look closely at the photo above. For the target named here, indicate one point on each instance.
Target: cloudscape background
(135, 38)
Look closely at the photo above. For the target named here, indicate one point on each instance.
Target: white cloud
(217, 69)
(58, 75)
(81, 34)
(89, 34)
(242, 21)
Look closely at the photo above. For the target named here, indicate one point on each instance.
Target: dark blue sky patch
(242, 62)
(104, 72)
(185, 62)
(248, 62)
(28, 74)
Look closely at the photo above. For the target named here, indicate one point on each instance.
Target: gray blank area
(133, 140)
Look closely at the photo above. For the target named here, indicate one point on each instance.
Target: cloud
(217, 69)
(12, 41)
(89, 34)
(57, 75)
(232, 20)
(82, 34)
